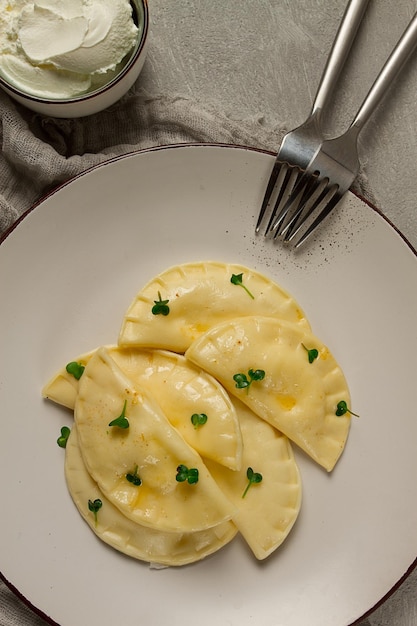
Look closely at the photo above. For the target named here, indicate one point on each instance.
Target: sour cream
(63, 48)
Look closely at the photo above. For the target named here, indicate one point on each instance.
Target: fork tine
(295, 203)
(287, 207)
(296, 197)
(268, 193)
(321, 204)
(281, 186)
(288, 181)
(328, 208)
(314, 196)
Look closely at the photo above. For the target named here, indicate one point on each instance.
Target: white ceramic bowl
(108, 94)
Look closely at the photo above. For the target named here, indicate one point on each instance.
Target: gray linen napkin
(38, 153)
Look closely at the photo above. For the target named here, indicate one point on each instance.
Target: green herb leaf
(244, 382)
(121, 421)
(182, 473)
(75, 369)
(198, 419)
(253, 479)
(342, 408)
(185, 474)
(256, 375)
(241, 381)
(192, 476)
(133, 477)
(237, 279)
(62, 440)
(94, 507)
(312, 353)
(160, 306)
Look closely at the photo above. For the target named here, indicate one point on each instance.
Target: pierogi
(269, 509)
(133, 453)
(136, 540)
(298, 397)
(198, 296)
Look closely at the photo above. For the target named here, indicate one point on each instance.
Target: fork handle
(391, 69)
(345, 36)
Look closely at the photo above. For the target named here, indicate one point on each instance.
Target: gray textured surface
(261, 60)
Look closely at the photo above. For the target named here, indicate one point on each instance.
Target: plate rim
(140, 151)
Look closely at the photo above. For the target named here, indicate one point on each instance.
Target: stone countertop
(262, 60)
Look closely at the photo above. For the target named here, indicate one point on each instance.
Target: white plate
(68, 272)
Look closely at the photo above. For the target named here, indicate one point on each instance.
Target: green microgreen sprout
(237, 279)
(62, 440)
(312, 353)
(198, 419)
(253, 479)
(243, 382)
(75, 369)
(160, 306)
(185, 474)
(342, 408)
(94, 507)
(121, 421)
(133, 477)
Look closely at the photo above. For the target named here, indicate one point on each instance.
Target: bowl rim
(100, 90)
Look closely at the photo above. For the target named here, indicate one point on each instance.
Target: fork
(336, 164)
(299, 145)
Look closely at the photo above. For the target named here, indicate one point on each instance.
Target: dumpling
(62, 388)
(183, 302)
(136, 540)
(269, 508)
(139, 461)
(181, 389)
(297, 396)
